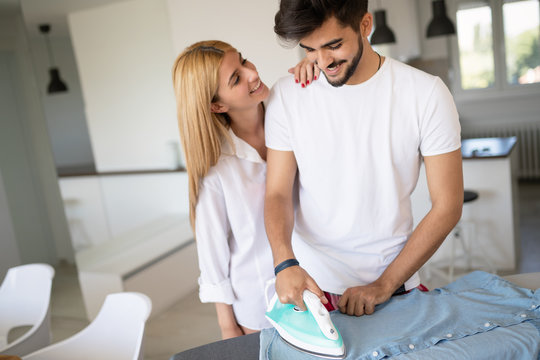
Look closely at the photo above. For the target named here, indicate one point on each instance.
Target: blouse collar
(243, 149)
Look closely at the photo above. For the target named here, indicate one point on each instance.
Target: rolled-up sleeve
(212, 233)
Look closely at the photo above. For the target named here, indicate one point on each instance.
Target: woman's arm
(227, 322)
(212, 230)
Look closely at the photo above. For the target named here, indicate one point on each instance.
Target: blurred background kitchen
(91, 168)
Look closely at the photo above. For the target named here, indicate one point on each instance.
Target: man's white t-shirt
(358, 150)
(235, 258)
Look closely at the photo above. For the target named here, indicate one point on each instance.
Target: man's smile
(334, 68)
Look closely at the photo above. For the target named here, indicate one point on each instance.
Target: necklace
(379, 61)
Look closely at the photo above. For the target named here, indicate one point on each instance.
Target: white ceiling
(53, 12)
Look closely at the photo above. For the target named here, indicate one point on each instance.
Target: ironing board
(239, 348)
(247, 347)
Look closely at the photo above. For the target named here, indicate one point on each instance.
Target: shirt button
(411, 346)
(487, 324)
(375, 354)
(533, 306)
(523, 315)
(449, 335)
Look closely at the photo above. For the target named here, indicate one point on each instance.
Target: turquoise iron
(310, 331)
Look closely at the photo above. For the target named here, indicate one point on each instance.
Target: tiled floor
(189, 323)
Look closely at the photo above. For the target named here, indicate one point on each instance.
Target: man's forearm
(279, 222)
(424, 241)
(445, 182)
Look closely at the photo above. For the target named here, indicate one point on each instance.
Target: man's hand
(361, 300)
(291, 283)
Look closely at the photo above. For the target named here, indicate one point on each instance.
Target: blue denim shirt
(502, 317)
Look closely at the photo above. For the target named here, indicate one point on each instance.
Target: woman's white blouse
(234, 254)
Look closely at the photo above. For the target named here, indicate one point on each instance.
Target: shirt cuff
(221, 293)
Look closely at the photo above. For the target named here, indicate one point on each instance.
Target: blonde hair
(196, 80)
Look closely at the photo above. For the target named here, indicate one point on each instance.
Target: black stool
(469, 196)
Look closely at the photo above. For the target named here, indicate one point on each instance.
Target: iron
(310, 331)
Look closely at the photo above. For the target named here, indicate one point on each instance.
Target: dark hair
(297, 19)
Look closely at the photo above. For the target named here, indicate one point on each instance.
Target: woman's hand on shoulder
(305, 72)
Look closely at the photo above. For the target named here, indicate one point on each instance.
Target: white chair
(24, 301)
(115, 334)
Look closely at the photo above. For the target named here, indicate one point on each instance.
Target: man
(356, 138)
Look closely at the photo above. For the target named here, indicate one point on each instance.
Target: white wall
(64, 112)
(43, 171)
(7, 31)
(499, 112)
(431, 48)
(124, 56)
(26, 160)
(32, 233)
(245, 24)
(9, 251)
(402, 18)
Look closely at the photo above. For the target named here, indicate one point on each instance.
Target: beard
(350, 70)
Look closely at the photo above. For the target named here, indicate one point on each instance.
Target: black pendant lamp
(382, 34)
(56, 84)
(440, 24)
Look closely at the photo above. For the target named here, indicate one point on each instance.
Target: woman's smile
(257, 87)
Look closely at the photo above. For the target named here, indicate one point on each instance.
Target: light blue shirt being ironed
(480, 316)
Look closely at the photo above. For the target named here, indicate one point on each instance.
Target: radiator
(528, 145)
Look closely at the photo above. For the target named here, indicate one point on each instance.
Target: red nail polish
(307, 82)
(296, 80)
(303, 85)
(314, 78)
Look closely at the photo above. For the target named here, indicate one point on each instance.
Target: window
(521, 36)
(497, 43)
(475, 40)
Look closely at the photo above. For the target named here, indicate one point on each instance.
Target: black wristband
(285, 264)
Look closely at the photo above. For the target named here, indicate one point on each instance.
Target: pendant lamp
(382, 34)
(440, 24)
(56, 84)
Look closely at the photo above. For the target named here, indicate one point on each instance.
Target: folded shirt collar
(243, 149)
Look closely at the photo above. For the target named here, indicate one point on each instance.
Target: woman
(219, 98)
(220, 107)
